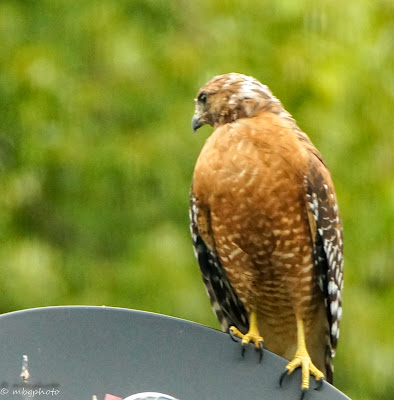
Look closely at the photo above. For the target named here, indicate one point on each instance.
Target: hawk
(265, 227)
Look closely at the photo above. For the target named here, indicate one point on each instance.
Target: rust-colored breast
(249, 179)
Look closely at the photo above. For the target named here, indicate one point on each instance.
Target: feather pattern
(327, 238)
(225, 303)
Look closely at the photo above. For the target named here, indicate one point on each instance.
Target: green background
(97, 153)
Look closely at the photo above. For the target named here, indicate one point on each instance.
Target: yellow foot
(307, 368)
(253, 336)
(303, 360)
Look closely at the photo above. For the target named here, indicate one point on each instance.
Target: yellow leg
(303, 360)
(253, 335)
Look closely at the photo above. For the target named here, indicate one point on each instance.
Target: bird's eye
(202, 97)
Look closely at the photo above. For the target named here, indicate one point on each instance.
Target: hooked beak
(196, 123)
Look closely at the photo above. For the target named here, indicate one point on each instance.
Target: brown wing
(327, 234)
(225, 303)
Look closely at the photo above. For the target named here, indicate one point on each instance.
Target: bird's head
(226, 98)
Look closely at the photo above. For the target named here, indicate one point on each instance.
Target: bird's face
(226, 98)
(202, 114)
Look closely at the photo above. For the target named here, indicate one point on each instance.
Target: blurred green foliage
(97, 154)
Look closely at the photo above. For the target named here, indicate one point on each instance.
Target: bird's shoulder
(267, 140)
(266, 129)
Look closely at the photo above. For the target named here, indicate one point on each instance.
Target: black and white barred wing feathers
(327, 236)
(225, 303)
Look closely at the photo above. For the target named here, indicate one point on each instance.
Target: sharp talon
(243, 349)
(319, 384)
(235, 338)
(303, 391)
(261, 348)
(282, 376)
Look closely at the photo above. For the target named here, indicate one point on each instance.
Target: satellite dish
(102, 352)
